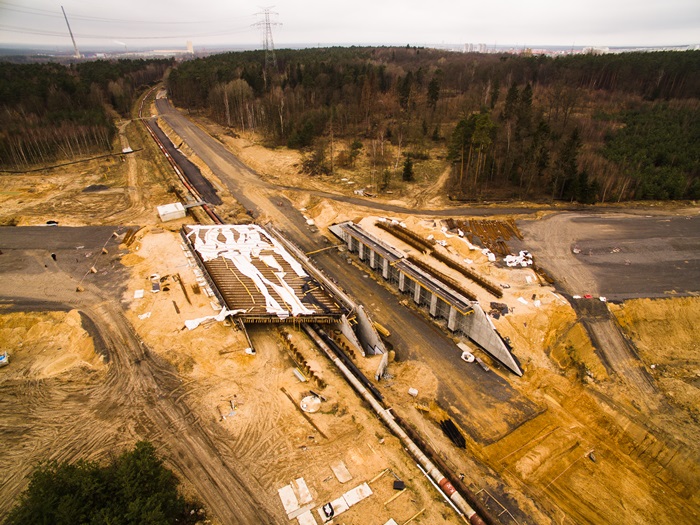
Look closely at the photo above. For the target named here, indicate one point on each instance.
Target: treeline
(49, 111)
(584, 128)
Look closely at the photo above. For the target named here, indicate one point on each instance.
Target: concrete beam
(483, 333)
(349, 333)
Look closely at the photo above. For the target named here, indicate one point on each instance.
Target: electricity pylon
(268, 44)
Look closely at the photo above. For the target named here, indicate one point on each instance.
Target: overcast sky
(522, 23)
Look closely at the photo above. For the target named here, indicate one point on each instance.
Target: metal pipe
(348, 362)
(449, 501)
(183, 179)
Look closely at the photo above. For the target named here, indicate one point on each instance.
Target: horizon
(312, 23)
(175, 48)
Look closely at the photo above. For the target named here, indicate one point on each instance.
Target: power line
(55, 14)
(32, 31)
(160, 28)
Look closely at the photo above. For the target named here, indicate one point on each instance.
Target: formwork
(256, 278)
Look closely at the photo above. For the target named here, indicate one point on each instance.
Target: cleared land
(573, 441)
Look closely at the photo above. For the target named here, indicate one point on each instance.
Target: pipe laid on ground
(183, 178)
(348, 363)
(441, 481)
(449, 501)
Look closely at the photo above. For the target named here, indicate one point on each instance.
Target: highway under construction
(241, 340)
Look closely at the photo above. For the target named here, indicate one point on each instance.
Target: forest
(50, 111)
(581, 128)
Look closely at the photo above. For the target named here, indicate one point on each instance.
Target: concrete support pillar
(385, 268)
(361, 251)
(433, 304)
(416, 294)
(372, 259)
(452, 319)
(402, 281)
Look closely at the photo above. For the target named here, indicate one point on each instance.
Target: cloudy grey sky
(169, 24)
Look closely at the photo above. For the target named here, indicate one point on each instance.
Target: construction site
(304, 355)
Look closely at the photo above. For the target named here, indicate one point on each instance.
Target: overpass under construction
(438, 298)
(256, 278)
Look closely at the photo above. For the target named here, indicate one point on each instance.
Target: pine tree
(407, 174)
(565, 181)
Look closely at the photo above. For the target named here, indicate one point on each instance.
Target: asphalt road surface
(484, 404)
(467, 391)
(621, 256)
(223, 162)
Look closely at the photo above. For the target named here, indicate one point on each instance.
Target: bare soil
(663, 331)
(91, 372)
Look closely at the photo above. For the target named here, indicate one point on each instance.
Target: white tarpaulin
(523, 259)
(242, 245)
(191, 324)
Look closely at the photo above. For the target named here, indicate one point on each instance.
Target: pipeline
(356, 372)
(471, 498)
(442, 482)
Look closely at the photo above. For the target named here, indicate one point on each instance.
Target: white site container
(170, 212)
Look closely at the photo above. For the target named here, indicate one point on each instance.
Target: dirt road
(469, 393)
(416, 338)
(244, 183)
(204, 188)
(139, 396)
(618, 354)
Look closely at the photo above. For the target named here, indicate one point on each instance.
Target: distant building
(596, 50)
(475, 48)
(174, 52)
